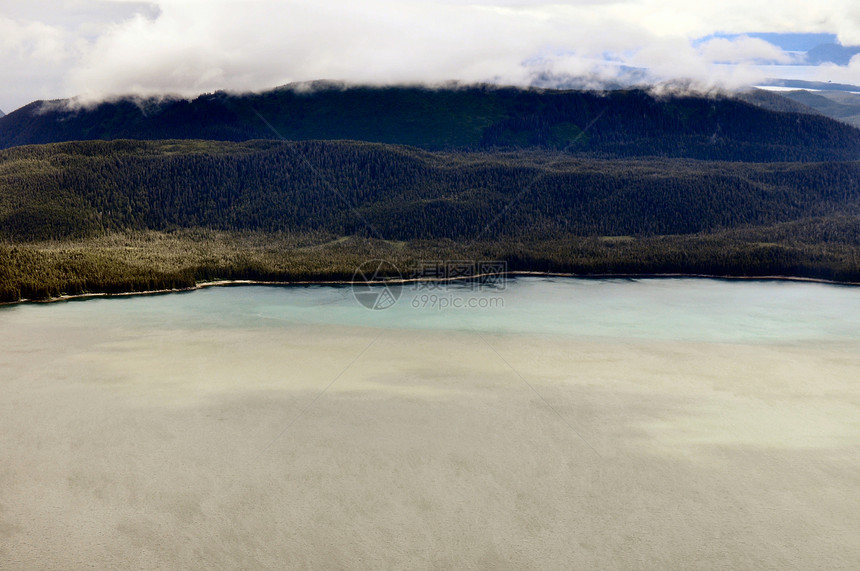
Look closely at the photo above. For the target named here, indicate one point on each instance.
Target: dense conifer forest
(126, 215)
(306, 183)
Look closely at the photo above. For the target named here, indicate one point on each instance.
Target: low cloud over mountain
(170, 46)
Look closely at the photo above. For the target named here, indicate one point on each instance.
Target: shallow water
(556, 423)
(671, 309)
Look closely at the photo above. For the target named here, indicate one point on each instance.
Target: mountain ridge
(620, 183)
(623, 123)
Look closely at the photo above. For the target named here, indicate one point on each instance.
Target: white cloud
(34, 56)
(191, 46)
(33, 41)
(847, 24)
(743, 50)
(849, 74)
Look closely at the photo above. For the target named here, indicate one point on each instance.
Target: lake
(541, 423)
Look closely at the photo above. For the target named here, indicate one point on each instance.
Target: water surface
(556, 423)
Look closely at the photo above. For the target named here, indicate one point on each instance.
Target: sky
(106, 48)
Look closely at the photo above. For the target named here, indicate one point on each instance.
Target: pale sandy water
(585, 424)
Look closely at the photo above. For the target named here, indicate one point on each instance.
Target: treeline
(146, 261)
(344, 188)
(596, 124)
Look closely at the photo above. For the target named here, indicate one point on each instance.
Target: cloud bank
(187, 47)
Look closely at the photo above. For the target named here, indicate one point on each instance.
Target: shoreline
(404, 281)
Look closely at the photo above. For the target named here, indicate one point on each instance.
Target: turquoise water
(670, 309)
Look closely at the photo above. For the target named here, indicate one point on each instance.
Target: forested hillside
(613, 124)
(345, 188)
(137, 215)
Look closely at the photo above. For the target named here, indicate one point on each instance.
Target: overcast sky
(57, 49)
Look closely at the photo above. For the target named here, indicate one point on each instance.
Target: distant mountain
(831, 53)
(1, 113)
(777, 101)
(840, 105)
(599, 124)
(814, 85)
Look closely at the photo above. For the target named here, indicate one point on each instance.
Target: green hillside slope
(87, 188)
(137, 215)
